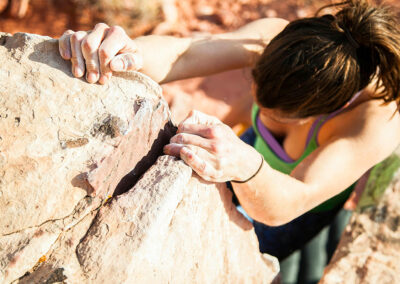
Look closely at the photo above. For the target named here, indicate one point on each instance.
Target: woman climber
(327, 95)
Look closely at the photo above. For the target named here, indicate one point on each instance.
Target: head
(315, 65)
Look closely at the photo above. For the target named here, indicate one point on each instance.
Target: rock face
(71, 208)
(369, 248)
(169, 228)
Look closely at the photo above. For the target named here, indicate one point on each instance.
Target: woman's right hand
(100, 52)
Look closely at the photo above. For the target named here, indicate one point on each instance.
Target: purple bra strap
(272, 143)
(312, 129)
(278, 149)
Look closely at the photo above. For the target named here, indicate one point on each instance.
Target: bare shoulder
(372, 125)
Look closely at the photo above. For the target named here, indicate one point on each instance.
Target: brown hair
(315, 65)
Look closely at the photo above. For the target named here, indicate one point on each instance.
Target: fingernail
(78, 72)
(117, 65)
(67, 54)
(92, 77)
(165, 150)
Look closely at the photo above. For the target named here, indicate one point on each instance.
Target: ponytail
(315, 65)
(374, 33)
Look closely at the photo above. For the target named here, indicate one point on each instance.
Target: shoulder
(371, 125)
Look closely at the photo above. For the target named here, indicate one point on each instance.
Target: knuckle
(182, 127)
(78, 36)
(68, 32)
(87, 45)
(117, 29)
(75, 61)
(219, 128)
(182, 153)
(74, 37)
(211, 132)
(101, 26)
(216, 147)
(104, 54)
(222, 162)
(217, 175)
(180, 138)
(91, 66)
(80, 33)
(202, 167)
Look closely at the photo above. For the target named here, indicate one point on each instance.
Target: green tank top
(287, 167)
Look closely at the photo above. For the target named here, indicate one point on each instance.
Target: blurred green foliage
(379, 179)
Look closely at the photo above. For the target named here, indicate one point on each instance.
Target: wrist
(252, 167)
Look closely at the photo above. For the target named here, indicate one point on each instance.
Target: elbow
(272, 220)
(275, 222)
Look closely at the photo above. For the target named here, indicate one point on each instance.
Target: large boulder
(71, 206)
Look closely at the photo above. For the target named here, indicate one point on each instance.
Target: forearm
(160, 54)
(164, 58)
(274, 198)
(168, 58)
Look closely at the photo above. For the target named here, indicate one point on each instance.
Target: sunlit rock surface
(71, 208)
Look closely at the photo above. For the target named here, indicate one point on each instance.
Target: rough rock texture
(369, 250)
(169, 228)
(67, 147)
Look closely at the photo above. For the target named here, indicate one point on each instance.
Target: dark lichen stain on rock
(110, 126)
(76, 143)
(38, 233)
(3, 39)
(17, 121)
(56, 277)
(394, 223)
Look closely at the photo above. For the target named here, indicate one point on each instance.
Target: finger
(200, 166)
(114, 42)
(118, 42)
(127, 62)
(205, 131)
(64, 45)
(78, 63)
(173, 149)
(195, 140)
(90, 49)
(199, 117)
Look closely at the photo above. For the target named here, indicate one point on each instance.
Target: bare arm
(275, 198)
(165, 58)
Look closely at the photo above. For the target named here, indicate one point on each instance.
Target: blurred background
(167, 17)
(138, 17)
(178, 18)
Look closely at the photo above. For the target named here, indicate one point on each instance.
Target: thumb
(126, 62)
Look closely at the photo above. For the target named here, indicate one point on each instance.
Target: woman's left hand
(212, 149)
